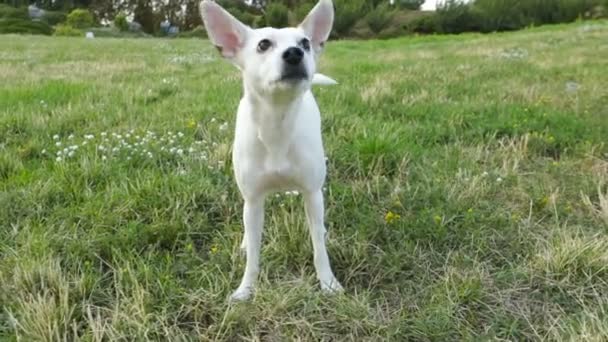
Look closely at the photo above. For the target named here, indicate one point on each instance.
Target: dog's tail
(321, 79)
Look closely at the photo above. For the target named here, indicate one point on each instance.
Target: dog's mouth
(293, 75)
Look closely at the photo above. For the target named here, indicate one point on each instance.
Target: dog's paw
(241, 294)
(332, 286)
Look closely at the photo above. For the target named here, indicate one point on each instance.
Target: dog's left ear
(318, 23)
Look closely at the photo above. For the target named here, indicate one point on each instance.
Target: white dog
(277, 144)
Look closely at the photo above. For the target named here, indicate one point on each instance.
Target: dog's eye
(264, 45)
(305, 43)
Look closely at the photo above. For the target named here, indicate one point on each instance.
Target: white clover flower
(101, 148)
(128, 158)
(56, 137)
(103, 134)
(190, 150)
(58, 159)
(224, 126)
(499, 179)
(84, 143)
(104, 157)
(71, 136)
(484, 174)
(180, 151)
(128, 135)
(58, 143)
(59, 152)
(43, 151)
(74, 147)
(71, 154)
(180, 134)
(213, 119)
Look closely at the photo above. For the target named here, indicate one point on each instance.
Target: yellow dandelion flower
(391, 217)
(214, 249)
(191, 123)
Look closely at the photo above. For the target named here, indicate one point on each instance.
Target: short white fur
(277, 143)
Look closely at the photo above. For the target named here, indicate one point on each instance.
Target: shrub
(347, 14)
(277, 15)
(379, 18)
(302, 11)
(197, 32)
(424, 24)
(17, 25)
(80, 19)
(121, 23)
(455, 16)
(53, 17)
(245, 17)
(7, 11)
(68, 31)
(410, 4)
(499, 15)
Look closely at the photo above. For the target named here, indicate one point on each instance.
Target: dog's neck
(274, 115)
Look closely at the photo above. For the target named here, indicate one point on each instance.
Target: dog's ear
(318, 23)
(225, 31)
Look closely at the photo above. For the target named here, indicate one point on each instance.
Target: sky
(429, 5)
(432, 4)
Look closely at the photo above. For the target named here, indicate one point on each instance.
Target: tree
(193, 16)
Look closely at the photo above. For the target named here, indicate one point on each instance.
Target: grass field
(467, 195)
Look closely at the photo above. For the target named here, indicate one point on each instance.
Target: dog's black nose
(293, 55)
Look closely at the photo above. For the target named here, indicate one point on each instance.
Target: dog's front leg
(314, 213)
(253, 221)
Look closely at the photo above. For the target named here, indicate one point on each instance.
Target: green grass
(489, 151)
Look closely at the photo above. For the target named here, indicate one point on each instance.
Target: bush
(424, 24)
(80, 19)
(379, 18)
(121, 23)
(245, 17)
(198, 32)
(7, 12)
(53, 18)
(302, 11)
(410, 4)
(17, 25)
(277, 15)
(501, 15)
(67, 31)
(455, 16)
(347, 14)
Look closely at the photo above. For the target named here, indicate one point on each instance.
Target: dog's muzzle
(293, 69)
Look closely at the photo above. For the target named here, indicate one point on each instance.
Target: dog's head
(271, 60)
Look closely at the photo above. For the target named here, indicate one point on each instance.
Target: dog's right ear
(225, 31)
